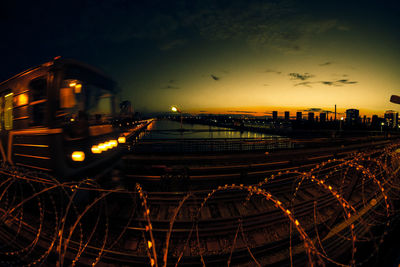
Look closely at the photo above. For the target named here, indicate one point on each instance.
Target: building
(391, 119)
(310, 116)
(287, 115)
(352, 116)
(275, 115)
(322, 117)
(299, 116)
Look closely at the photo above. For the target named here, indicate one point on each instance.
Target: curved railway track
(312, 208)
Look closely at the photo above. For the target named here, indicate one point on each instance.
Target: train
(58, 118)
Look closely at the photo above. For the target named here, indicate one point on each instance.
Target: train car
(57, 117)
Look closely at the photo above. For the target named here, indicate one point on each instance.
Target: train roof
(60, 62)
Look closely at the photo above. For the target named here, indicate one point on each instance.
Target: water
(166, 129)
(165, 136)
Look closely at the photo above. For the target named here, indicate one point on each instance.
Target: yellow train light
(121, 139)
(102, 147)
(96, 150)
(78, 156)
(113, 143)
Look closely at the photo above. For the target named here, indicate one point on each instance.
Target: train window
(2, 113)
(38, 88)
(8, 111)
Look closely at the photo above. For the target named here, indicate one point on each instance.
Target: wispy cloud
(299, 76)
(172, 44)
(306, 84)
(241, 111)
(325, 64)
(215, 77)
(341, 82)
(170, 87)
(273, 71)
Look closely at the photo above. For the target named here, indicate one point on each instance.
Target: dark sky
(218, 56)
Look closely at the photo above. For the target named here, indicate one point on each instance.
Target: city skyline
(217, 56)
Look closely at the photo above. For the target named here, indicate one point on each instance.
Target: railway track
(312, 208)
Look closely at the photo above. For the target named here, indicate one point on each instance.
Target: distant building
(310, 116)
(391, 119)
(299, 116)
(322, 117)
(287, 115)
(274, 115)
(375, 121)
(365, 119)
(352, 116)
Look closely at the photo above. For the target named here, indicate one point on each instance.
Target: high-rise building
(322, 117)
(274, 115)
(352, 116)
(287, 115)
(375, 121)
(310, 116)
(299, 115)
(391, 119)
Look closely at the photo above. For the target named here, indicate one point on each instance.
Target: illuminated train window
(8, 111)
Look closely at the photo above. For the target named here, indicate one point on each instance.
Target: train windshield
(86, 101)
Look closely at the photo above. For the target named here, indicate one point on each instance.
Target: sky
(218, 56)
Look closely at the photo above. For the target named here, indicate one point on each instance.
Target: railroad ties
(315, 206)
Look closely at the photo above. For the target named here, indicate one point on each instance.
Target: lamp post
(176, 109)
(340, 125)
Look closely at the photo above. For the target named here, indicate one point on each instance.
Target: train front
(86, 110)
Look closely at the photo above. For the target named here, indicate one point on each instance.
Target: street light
(176, 109)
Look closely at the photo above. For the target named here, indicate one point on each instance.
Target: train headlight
(108, 145)
(113, 143)
(102, 147)
(96, 150)
(121, 139)
(78, 156)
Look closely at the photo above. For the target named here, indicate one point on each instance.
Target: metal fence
(211, 145)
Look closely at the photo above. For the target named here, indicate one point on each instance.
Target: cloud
(170, 87)
(265, 84)
(319, 110)
(172, 44)
(341, 82)
(302, 77)
(215, 77)
(345, 81)
(306, 84)
(203, 111)
(273, 71)
(241, 111)
(325, 64)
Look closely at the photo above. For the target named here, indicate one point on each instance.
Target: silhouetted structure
(352, 116)
(287, 115)
(322, 117)
(275, 115)
(299, 116)
(391, 118)
(310, 116)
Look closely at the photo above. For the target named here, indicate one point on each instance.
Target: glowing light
(174, 109)
(22, 99)
(149, 244)
(96, 150)
(78, 156)
(102, 147)
(121, 139)
(72, 84)
(78, 88)
(114, 143)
